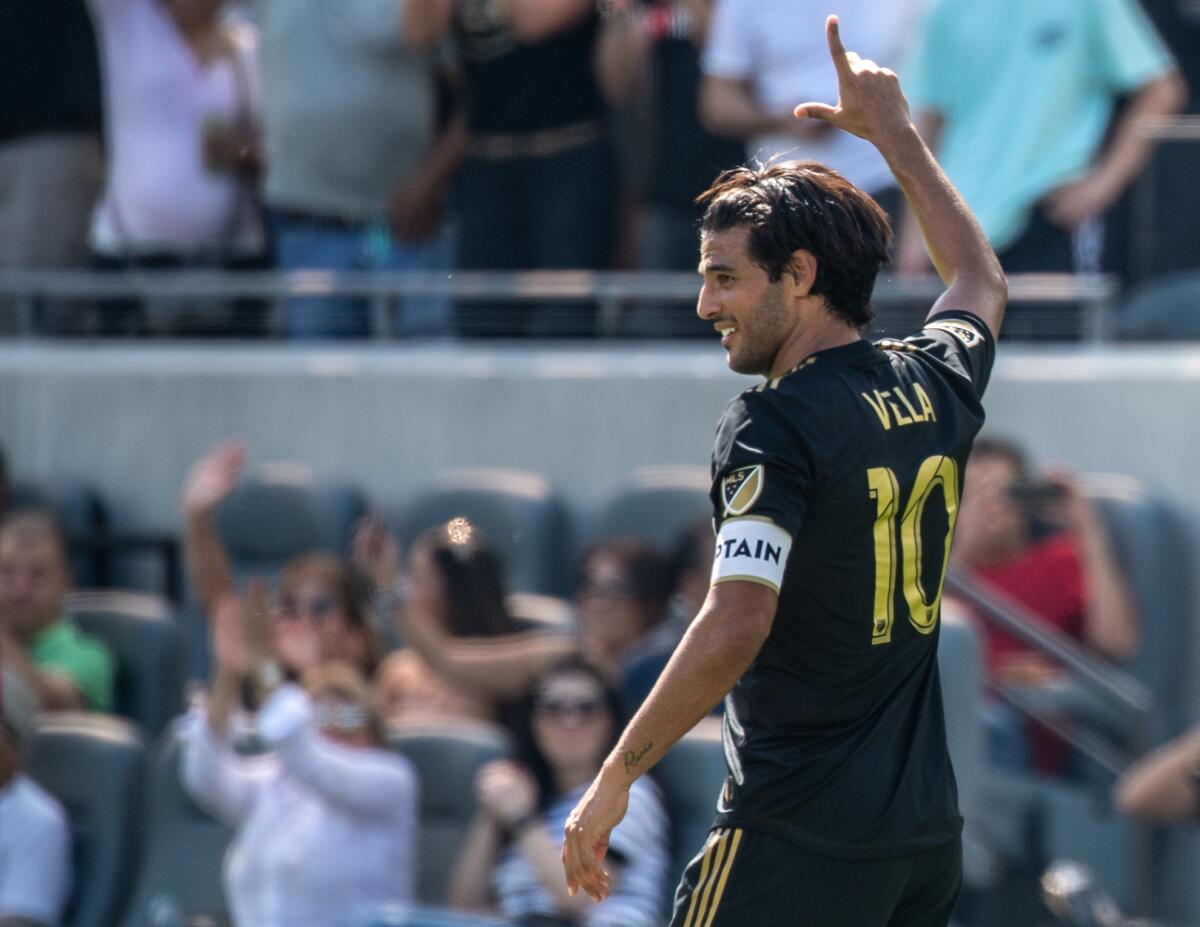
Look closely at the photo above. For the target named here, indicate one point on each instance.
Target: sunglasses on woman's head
(587, 709)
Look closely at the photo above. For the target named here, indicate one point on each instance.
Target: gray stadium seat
(147, 644)
(657, 504)
(517, 511)
(96, 767)
(960, 665)
(446, 759)
(185, 848)
(692, 775)
(1163, 309)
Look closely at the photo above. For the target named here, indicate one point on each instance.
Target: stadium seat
(96, 767)
(960, 665)
(283, 511)
(1162, 309)
(692, 775)
(657, 504)
(147, 644)
(185, 848)
(446, 759)
(517, 511)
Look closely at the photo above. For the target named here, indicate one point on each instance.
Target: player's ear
(803, 271)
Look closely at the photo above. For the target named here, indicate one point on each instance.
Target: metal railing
(1115, 687)
(1066, 306)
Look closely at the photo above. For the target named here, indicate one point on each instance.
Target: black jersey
(838, 485)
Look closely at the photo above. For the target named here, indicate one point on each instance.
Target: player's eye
(724, 279)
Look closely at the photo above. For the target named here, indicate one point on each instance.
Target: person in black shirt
(836, 485)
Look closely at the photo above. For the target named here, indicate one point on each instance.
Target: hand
(375, 551)
(298, 646)
(415, 210)
(212, 478)
(585, 839)
(506, 792)
(1073, 204)
(870, 104)
(1072, 510)
(807, 130)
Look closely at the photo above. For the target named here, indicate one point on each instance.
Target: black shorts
(751, 879)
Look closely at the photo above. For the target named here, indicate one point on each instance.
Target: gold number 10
(935, 472)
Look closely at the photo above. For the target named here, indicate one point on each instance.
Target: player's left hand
(585, 838)
(870, 102)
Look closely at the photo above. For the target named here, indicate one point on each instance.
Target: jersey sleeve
(961, 341)
(761, 482)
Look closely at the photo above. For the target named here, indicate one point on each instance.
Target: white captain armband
(751, 549)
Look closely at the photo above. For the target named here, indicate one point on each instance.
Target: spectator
(691, 571)
(50, 161)
(1069, 578)
(1164, 787)
(325, 822)
(182, 110)
(317, 591)
(64, 668)
(1016, 99)
(622, 603)
(35, 839)
(358, 163)
(537, 189)
(511, 857)
(764, 55)
(467, 655)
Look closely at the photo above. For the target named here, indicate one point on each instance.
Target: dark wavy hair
(527, 750)
(803, 205)
(474, 579)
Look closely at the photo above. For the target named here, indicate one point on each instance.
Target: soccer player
(836, 485)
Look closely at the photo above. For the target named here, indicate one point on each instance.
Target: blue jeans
(312, 243)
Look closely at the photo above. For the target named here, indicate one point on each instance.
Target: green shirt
(63, 650)
(1027, 89)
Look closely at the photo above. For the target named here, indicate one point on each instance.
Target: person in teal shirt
(65, 668)
(1015, 97)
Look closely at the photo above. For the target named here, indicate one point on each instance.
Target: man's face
(33, 581)
(749, 311)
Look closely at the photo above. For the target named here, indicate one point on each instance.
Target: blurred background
(355, 421)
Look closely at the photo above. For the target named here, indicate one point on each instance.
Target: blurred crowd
(434, 135)
(317, 668)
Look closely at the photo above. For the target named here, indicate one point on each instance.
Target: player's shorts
(751, 879)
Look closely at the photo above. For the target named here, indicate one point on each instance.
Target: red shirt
(1048, 580)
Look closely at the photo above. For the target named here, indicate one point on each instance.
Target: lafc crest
(741, 488)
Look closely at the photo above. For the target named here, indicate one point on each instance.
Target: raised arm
(211, 479)
(873, 107)
(717, 649)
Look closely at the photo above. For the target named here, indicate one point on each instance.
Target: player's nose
(706, 306)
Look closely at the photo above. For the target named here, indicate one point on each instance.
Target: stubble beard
(770, 324)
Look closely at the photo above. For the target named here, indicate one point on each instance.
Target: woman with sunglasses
(511, 861)
(325, 820)
(319, 594)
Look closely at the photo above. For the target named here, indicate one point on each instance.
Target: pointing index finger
(837, 51)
